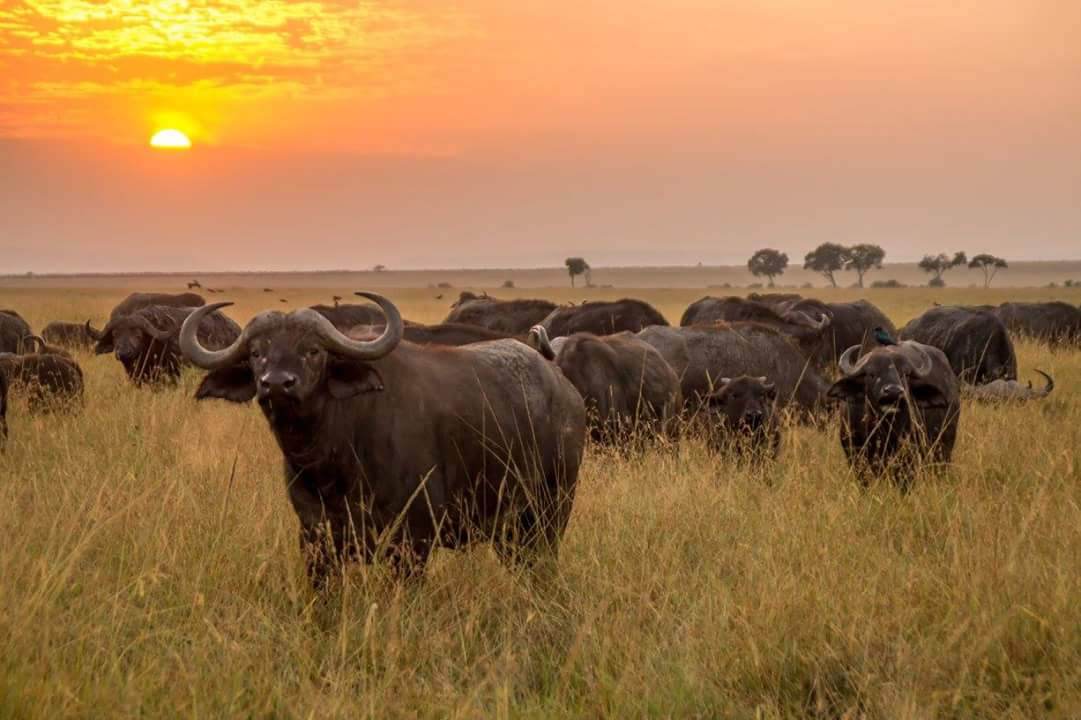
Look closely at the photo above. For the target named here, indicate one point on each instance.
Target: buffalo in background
(701, 356)
(805, 328)
(974, 340)
(851, 323)
(631, 392)
(1010, 390)
(1055, 323)
(346, 317)
(14, 331)
(146, 341)
(48, 382)
(393, 445)
(3, 408)
(742, 416)
(602, 318)
(902, 407)
(137, 301)
(73, 336)
(512, 317)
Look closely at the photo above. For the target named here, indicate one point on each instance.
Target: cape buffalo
(806, 328)
(14, 331)
(1056, 323)
(137, 301)
(602, 318)
(49, 382)
(902, 406)
(1010, 390)
(40, 347)
(73, 336)
(345, 317)
(513, 317)
(145, 342)
(392, 445)
(629, 390)
(851, 323)
(701, 356)
(742, 415)
(3, 408)
(973, 339)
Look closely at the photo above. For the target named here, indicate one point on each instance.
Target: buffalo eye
(313, 351)
(256, 354)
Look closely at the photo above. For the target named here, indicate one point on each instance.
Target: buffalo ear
(346, 379)
(845, 388)
(929, 396)
(235, 384)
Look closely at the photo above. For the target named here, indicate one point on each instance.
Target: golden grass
(149, 567)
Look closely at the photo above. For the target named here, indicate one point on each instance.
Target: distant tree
(990, 265)
(826, 259)
(576, 266)
(938, 264)
(768, 263)
(863, 258)
(379, 268)
(508, 283)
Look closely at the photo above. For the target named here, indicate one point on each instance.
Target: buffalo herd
(399, 436)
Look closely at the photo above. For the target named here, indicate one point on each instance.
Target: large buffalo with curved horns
(974, 340)
(512, 317)
(147, 342)
(392, 445)
(902, 406)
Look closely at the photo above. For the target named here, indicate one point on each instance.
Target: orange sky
(495, 132)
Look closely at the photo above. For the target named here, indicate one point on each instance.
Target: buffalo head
(744, 403)
(888, 379)
(288, 361)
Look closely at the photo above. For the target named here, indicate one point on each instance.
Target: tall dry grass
(149, 566)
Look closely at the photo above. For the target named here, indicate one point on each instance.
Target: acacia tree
(990, 265)
(827, 259)
(576, 266)
(938, 264)
(863, 258)
(768, 263)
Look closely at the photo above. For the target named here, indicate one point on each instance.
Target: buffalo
(14, 331)
(1010, 390)
(851, 323)
(741, 413)
(451, 334)
(345, 317)
(806, 328)
(49, 382)
(3, 408)
(40, 347)
(974, 340)
(513, 317)
(1055, 323)
(145, 342)
(602, 318)
(137, 301)
(629, 389)
(702, 355)
(73, 336)
(902, 407)
(393, 445)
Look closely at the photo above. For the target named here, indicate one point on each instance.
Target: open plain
(150, 564)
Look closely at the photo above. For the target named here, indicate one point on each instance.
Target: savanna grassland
(149, 566)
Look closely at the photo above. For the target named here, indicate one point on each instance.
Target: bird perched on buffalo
(882, 337)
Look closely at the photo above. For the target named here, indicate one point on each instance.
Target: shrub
(891, 283)
(508, 284)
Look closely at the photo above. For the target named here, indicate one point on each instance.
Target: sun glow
(170, 139)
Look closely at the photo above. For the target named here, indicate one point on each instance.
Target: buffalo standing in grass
(805, 328)
(48, 382)
(851, 323)
(513, 317)
(701, 356)
(14, 331)
(602, 318)
(902, 407)
(390, 444)
(146, 342)
(974, 340)
(630, 392)
(73, 336)
(741, 416)
(1055, 323)
(137, 301)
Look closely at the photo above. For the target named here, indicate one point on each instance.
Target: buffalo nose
(891, 394)
(754, 417)
(274, 383)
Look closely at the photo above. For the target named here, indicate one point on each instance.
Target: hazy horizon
(419, 135)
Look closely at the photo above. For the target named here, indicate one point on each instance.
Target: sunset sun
(170, 139)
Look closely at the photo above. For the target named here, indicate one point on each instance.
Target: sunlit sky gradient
(416, 133)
